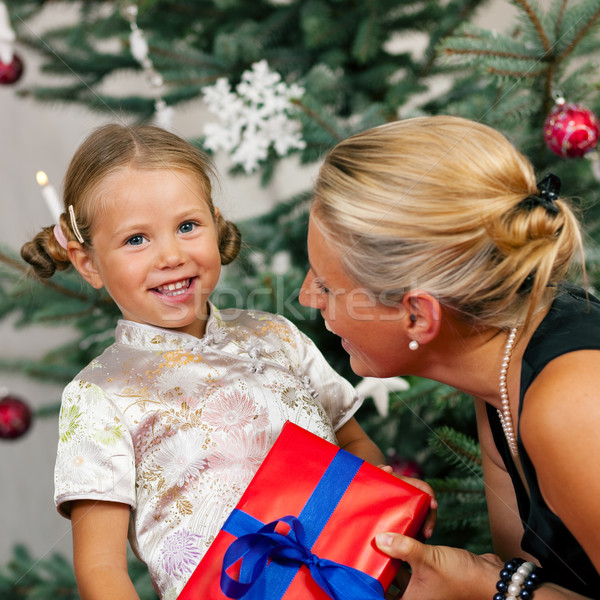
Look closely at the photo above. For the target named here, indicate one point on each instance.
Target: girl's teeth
(175, 289)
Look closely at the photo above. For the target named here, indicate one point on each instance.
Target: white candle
(50, 196)
(7, 36)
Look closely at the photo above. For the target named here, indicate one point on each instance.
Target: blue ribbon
(259, 546)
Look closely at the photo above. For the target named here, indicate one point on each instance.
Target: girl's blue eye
(135, 240)
(186, 227)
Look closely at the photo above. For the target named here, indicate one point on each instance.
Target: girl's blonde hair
(106, 150)
(435, 204)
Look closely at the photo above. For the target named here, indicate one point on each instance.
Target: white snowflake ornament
(379, 390)
(257, 116)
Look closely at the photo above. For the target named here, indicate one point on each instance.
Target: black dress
(573, 323)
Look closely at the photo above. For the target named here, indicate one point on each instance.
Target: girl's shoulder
(257, 321)
(269, 331)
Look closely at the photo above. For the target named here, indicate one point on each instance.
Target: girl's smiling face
(154, 248)
(373, 333)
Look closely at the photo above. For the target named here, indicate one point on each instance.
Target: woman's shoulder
(572, 323)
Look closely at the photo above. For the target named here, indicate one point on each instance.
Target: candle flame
(41, 178)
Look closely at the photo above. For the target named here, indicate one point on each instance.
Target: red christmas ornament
(15, 417)
(405, 467)
(12, 71)
(571, 130)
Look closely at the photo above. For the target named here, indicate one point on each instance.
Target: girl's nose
(170, 254)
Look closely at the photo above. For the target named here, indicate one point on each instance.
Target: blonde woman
(434, 252)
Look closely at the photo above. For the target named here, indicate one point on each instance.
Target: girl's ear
(83, 262)
(424, 315)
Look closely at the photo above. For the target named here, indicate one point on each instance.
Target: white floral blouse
(176, 426)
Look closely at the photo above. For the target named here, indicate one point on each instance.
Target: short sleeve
(95, 459)
(335, 394)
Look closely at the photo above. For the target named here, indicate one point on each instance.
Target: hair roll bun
(230, 240)
(45, 254)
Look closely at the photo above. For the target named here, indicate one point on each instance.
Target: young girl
(160, 435)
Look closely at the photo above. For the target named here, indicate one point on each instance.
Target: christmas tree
(292, 78)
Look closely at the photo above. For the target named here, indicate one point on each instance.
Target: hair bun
(45, 254)
(230, 240)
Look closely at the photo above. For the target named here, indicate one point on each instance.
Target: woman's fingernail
(384, 539)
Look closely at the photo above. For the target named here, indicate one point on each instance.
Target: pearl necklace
(505, 414)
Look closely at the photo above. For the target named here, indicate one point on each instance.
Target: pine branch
(336, 135)
(50, 284)
(494, 53)
(29, 578)
(463, 16)
(559, 19)
(471, 485)
(536, 23)
(458, 448)
(582, 33)
(529, 74)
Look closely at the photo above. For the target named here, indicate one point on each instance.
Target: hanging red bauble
(571, 130)
(12, 71)
(404, 467)
(15, 417)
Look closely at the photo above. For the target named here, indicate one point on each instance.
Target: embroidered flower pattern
(81, 464)
(190, 402)
(261, 421)
(69, 421)
(182, 457)
(108, 433)
(180, 553)
(229, 411)
(239, 456)
(179, 379)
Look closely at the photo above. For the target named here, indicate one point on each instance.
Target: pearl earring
(413, 345)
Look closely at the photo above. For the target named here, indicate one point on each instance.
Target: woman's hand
(440, 571)
(429, 524)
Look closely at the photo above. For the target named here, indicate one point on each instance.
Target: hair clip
(548, 193)
(60, 236)
(74, 225)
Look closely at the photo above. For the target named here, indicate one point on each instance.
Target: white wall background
(35, 137)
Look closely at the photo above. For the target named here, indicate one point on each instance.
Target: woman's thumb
(396, 545)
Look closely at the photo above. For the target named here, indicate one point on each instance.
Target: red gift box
(309, 487)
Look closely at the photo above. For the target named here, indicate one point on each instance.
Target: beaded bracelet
(518, 580)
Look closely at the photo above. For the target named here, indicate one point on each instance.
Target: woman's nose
(308, 294)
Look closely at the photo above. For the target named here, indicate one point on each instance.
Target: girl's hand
(440, 571)
(429, 525)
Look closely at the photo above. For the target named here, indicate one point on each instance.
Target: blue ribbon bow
(270, 560)
(339, 581)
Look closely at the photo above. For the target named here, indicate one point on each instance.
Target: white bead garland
(163, 114)
(505, 414)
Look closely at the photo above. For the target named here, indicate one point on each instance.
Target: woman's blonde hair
(436, 204)
(106, 150)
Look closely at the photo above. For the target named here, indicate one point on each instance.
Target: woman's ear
(82, 260)
(424, 315)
